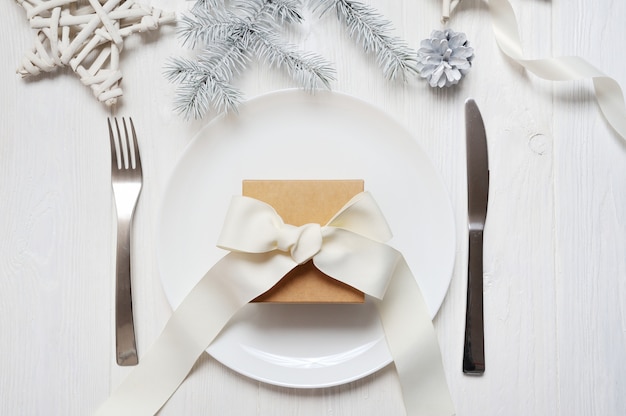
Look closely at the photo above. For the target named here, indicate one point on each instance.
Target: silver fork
(126, 180)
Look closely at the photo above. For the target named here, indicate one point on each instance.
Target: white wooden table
(555, 255)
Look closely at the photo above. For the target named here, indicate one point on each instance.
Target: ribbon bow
(350, 248)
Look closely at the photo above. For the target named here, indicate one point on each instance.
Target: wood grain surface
(555, 241)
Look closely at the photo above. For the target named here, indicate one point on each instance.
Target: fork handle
(126, 349)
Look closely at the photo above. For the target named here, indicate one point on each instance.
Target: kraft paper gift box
(300, 202)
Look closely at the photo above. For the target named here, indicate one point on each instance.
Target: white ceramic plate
(295, 135)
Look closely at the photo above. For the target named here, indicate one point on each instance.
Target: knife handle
(474, 349)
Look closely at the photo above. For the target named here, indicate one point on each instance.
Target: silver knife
(477, 195)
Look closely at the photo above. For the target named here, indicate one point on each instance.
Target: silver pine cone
(444, 58)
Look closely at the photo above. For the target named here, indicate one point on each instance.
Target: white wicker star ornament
(88, 36)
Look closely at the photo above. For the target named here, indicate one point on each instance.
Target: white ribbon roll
(263, 248)
(608, 91)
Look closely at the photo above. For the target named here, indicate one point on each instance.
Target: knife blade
(477, 197)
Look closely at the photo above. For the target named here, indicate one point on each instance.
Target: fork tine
(124, 145)
(136, 154)
(115, 159)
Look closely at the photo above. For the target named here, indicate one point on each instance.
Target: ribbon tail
(223, 290)
(608, 91)
(412, 340)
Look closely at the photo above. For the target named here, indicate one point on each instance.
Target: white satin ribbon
(446, 9)
(263, 248)
(608, 91)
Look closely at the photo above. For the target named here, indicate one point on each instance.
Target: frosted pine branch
(308, 69)
(205, 28)
(370, 29)
(208, 4)
(284, 11)
(228, 37)
(204, 83)
(230, 33)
